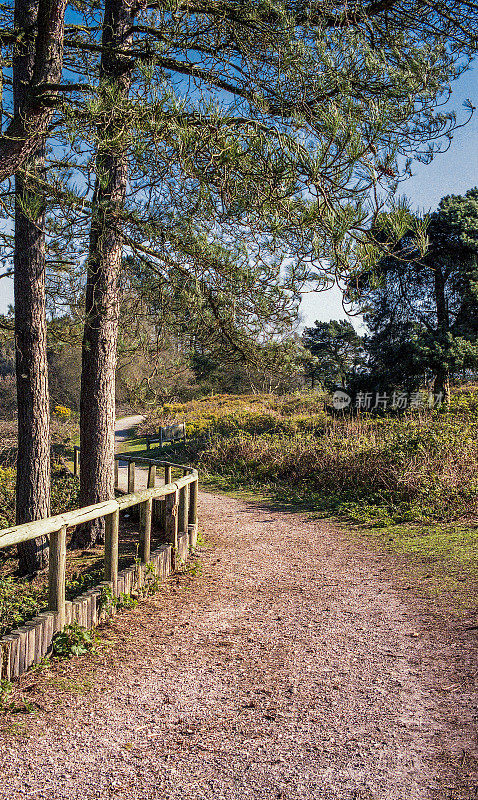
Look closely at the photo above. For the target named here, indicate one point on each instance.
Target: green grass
(438, 560)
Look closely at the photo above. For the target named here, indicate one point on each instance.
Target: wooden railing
(174, 504)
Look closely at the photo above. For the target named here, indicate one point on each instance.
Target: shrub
(62, 412)
(73, 640)
(415, 466)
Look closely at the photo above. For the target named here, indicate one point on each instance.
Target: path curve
(125, 429)
(295, 665)
(124, 426)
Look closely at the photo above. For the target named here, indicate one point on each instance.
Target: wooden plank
(131, 476)
(39, 632)
(86, 612)
(32, 626)
(167, 560)
(22, 533)
(193, 536)
(184, 481)
(157, 519)
(183, 547)
(48, 634)
(183, 509)
(171, 521)
(111, 548)
(44, 527)
(93, 595)
(15, 655)
(145, 538)
(56, 576)
(139, 577)
(151, 476)
(6, 657)
(22, 649)
(73, 613)
(193, 502)
(145, 494)
(82, 603)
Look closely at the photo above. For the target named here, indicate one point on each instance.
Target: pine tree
(33, 458)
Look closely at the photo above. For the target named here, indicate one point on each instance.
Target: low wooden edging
(27, 645)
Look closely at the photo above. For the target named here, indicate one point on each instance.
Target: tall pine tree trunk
(97, 403)
(33, 460)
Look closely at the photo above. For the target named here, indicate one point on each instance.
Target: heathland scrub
(405, 483)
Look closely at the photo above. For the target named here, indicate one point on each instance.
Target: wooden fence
(168, 433)
(173, 506)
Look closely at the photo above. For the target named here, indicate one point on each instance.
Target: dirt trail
(293, 666)
(124, 429)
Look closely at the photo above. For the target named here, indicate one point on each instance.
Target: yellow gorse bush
(62, 412)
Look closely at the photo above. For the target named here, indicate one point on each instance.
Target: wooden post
(151, 485)
(161, 436)
(147, 443)
(193, 502)
(56, 576)
(152, 476)
(184, 432)
(145, 538)
(183, 510)
(167, 479)
(171, 522)
(130, 477)
(76, 461)
(111, 548)
(116, 472)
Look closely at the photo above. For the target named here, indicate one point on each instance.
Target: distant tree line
(420, 309)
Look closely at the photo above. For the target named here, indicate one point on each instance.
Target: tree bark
(32, 115)
(97, 403)
(33, 460)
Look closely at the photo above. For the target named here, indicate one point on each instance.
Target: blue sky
(452, 172)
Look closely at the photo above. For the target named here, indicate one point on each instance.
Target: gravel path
(124, 429)
(295, 665)
(124, 426)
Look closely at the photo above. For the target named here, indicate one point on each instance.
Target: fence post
(183, 510)
(131, 477)
(152, 476)
(171, 523)
(76, 461)
(116, 470)
(145, 537)
(56, 576)
(193, 502)
(167, 479)
(111, 549)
